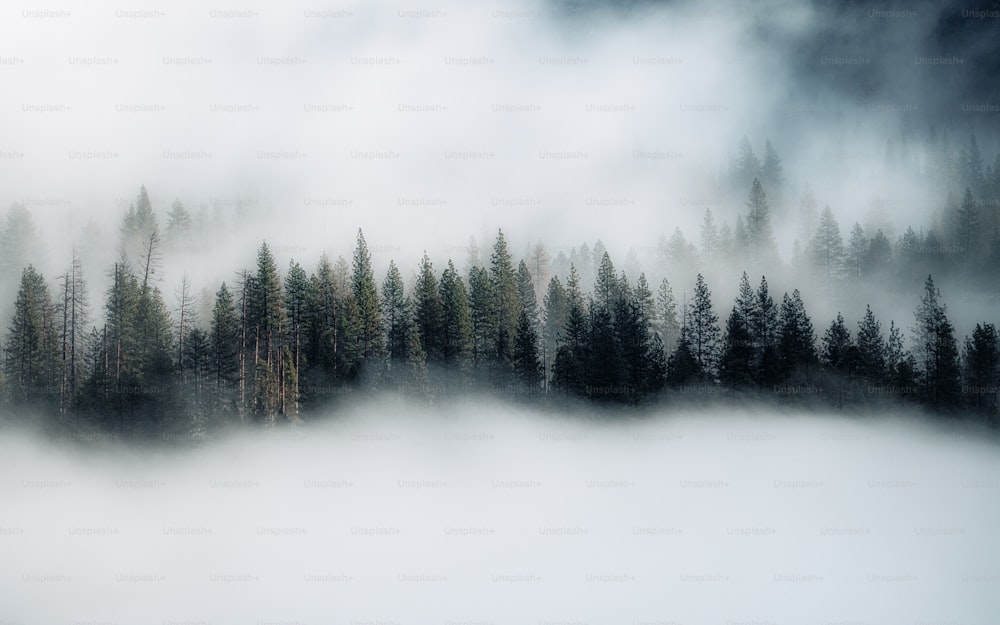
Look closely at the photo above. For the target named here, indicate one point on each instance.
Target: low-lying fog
(482, 513)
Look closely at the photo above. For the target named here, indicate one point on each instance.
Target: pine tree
(758, 225)
(682, 366)
(710, 243)
(224, 341)
(797, 342)
(527, 367)
(556, 303)
(937, 351)
(772, 173)
(428, 310)
(31, 352)
(870, 348)
(737, 352)
(857, 248)
(178, 225)
(266, 321)
(506, 305)
(665, 318)
(838, 347)
(764, 329)
(748, 166)
(75, 318)
(703, 328)
(968, 230)
(481, 309)
(456, 320)
(297, 297)
(369, 335)
(605, 287)
(982, 371)
(395, 317)
(827, 249)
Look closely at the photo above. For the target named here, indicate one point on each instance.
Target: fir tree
(870, 348)
(427, 310)
(703, 328)
(758, 226)
(369, 335)
(982, 371)
(456, 320)
(31, 356)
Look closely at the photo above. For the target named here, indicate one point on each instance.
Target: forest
(280, 344)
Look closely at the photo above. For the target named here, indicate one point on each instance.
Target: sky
(424, 124)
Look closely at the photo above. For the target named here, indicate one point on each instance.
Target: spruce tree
(428, 309)
(797, 342)
(369, 335)
(31, 356)
(758, 225)
(870, 348)
(456, 320)
(982, 371)
(703, 328)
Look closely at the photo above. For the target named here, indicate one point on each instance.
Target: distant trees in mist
(277, 342)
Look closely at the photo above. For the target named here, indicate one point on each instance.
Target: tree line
(280, 343)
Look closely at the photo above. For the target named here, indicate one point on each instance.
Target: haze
(485, 513)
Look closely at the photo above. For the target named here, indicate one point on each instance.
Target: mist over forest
(687, 307)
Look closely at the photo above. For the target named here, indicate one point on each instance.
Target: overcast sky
(425, 123)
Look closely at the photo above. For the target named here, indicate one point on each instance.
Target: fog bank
(482, 513)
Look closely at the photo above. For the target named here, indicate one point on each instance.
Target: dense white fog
(485, 513)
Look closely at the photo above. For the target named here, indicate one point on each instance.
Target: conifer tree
(703, 328)
(369, 335)
(31, 356)
(428, 309)
(456, 320)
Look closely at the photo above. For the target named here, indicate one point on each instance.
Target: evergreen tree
(31, 356)
(737, 352)
(838, 347)
(710, 242)
(758, 226)
(369, 335)
(968, 229)
(224, 341)
(665, 318)
(75, 318)
(827, 249)
(764, 329)
(936, 351)
(428, 310)
(297, 306)
(703, 328)
(772, 173)
(682, 366)
(870, 348)
(456, 319)
(857, 249)
(527, 367)
(982, 371)
(178, 225)
(395, 316)
(797, 342)
(748, 166)
(556, 304)
(506, 305)
(481, 309)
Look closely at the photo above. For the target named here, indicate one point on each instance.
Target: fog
(458, 119)
(480, 512)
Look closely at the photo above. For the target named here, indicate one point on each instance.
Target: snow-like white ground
(487, 514)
